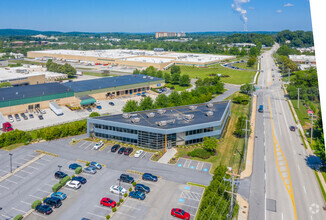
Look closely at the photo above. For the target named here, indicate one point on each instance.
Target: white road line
(43, 191)
(4, 171)
(48, 184)
(25, 171)
(199, 167)
(96, 215)
(4, 187)
(39, 215)
(11, 181)
(19, 210)
(6, 216)
(187, 205)
(69, 189)
(18, 176)
(35, 196)
(130, 207)
(25, 202)
(304, 189)
(24, 159)
(126, 215)
(33, 167)
(42, 164)
(89, 145)
(299, 168)
(44, 159)
(187, 166)
(101, 207)
(143, 155)
(282, 215)
(82, 144)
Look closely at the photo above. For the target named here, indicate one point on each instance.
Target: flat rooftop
(31, 91)
(174, 117)
(149, 59)
(108, 82)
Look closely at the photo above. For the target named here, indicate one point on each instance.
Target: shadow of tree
(313, 162)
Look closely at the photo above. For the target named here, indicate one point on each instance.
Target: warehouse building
(164, 128)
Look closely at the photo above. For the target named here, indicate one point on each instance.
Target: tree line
(297, 38)
(66, 68)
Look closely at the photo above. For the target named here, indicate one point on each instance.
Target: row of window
(123, 139)
(113, 128)
(194, 141)
(199, 131)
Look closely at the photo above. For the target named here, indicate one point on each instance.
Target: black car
(44, 209)
(53, 202)
(115, 147)
(31, 115)
(111, 103)
(40, 117)
(89, 109)
(142, 188)
(121, 150)
(23, 116)
(128, 151)
(292, 128)
(81, 179)
(59, 175)
(17, 117)
(149, 177)
(126, 178)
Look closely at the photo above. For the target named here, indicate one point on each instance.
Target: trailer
(56, 108)
(4, 125)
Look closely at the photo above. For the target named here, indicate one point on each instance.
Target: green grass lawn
(97, 74)
(244, 66)
(301, 113)
(11, 147)
(27, 62)
(235, 76)
(178, 88)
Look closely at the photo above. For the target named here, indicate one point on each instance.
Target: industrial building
(29, 75)
(169, 34)
(303, 59)
(162, 128)
(3, 62)
(28, 97)
(130, 58)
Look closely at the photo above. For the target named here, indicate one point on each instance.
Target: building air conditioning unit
(209, 105)
(125, 115)
(161, 111)
(209, 113)
(135, 120)
(189, 116)
(150, 115)
(192, 107)
(161, 123)
(133, 115)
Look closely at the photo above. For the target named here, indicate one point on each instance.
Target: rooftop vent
(161, 111)
(209, 113)
(135, 120)
(125, 115)
(150, 115)
(132, 115)
(209, 105)
(189, 117)
(192, 107)
(144, 77)
(163, 123)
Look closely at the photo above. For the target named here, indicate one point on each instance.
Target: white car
(73, 184)
(117, 190)
(98, 145)
(138, 153)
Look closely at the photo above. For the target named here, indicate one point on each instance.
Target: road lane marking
(304, 189)
(82, 144)
(35, 197)
(131, 207)
(19, 210)
(26, 203)
(286, 180)
(101, 207)
(121, 213)
(4, 187)
(95, 215)
(11, 181)
(25, 171)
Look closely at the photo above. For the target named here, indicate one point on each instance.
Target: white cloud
(279, 11)
(288, 5)
(237, 7)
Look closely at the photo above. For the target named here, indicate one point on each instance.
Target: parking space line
(19, 163)
(48, 184)
(19, 210)
(35, 197)
(4, 187)
(89, 145)
(199, 166)
(126, 214)
(187, 166)
(96, 215)
(42, 164)
(143, 155)
(69, 189)
(82, 144)
(39, 215)
(124, 205)
(5, 171)
(18, 176)
(44, 159)
(33, 167)
(25, 202)
(7, 217)
(188, 205)
(101, 207)
(43, 191)
(11, 181)
(25, 171)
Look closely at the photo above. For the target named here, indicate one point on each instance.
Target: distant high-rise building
(169, 34)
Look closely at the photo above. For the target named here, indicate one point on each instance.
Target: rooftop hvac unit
(132, 115)
(189, 117)
(209, 105)
(135, 120)
(125, 115)
(144, 77)
(163, 123)
(192, 107)
(161, 111)
(209, 113)
(150, 115)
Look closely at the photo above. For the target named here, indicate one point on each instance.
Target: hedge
(18, 217)
(114, 209)
(36, 203)
(108, 217)
(64, 180)
(78, 170)
(199, 152)
(60, 184)
(56, 187)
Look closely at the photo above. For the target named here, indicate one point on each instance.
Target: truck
(4, 125)
(261, 109)
(56, 108)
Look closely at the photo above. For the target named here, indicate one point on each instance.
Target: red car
(179, 213)
(108, 202)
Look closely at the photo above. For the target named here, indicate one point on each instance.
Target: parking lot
(193, 164)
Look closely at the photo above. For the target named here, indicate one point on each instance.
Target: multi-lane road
(282, 185)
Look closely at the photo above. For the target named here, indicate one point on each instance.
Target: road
(282, 185)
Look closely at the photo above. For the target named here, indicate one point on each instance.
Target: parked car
(143, 95)
(117, 190)
(11, 119)
(149, 177)
(292, 128)
(108, 202)
(44, 209)
(90, 170)
(137, 195)
(17, 117)
(138, 153)
(111, 103)
(23, 116)
(74, 166)
(81, 179)
(126, 178)
(89, 109)
(73, 184)
(179, 213)
(53, 202)
(95, 165)
(115, 147)
(128, 151)
(42, 111)
(99, 107)
(142, 188)
(59, 175)
(31, 115)
(121, 150)
(40, 117)
(59, 195)
(98, 145)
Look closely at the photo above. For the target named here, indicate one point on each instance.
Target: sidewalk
(167, 156)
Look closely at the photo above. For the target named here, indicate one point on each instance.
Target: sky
(155, 15)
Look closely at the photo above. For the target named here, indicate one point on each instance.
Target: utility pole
(10, 154)
(298, 97)
(312, 127)
(231, 206)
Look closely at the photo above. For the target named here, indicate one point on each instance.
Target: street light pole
(10, 154)
(298, 97)
(59, 166)
(312, 127)
(119, 189)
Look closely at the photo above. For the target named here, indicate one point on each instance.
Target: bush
(199, 152)
(121, 200)
(130, 189)
(118, 203)
(78, 170)
(108, 217)
(134, 184)
(114, 209)
(64, 180)
(72, 176)
(18, 217)
(94, 114)
(56, 187)
(87, 164)
(125, 195)
(36, 203)
(44, 199)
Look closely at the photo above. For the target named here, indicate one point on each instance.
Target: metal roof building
(167, 127)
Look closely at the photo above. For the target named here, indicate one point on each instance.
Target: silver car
(89, 170)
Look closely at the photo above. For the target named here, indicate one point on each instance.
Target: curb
(85, 161)
(46, 153)
(139, 173)
(243, 207)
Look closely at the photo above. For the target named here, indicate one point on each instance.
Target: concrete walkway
(167, 156)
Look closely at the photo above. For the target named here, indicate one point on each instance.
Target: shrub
(114, 209)
(78, 170)
(118, 203)
(36, 203)
(94, 114)
(134, 184)
(56, 187)
(72, 176)
(130, 189)
(44, 199)
(121, 200)
(125, 195)
(199, 152)
(64, 180)
(87, 164)
(18, 217)
(108, 217)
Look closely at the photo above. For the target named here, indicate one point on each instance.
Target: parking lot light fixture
(10, 154)
(59, 166)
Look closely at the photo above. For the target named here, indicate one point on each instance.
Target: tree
(130, 106)
(184, 80)
(246, 88)
(94, 114)
(146, 104)
(167, 77)
(254, 51)
(151, 71)
(175, 78)
(159, 74)
(175, 69)
(240, 126)
(161, 101)
(5, 84)
(241, 99)
(251, 61)
(210, 144)
(234, 50)
(175, 99)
